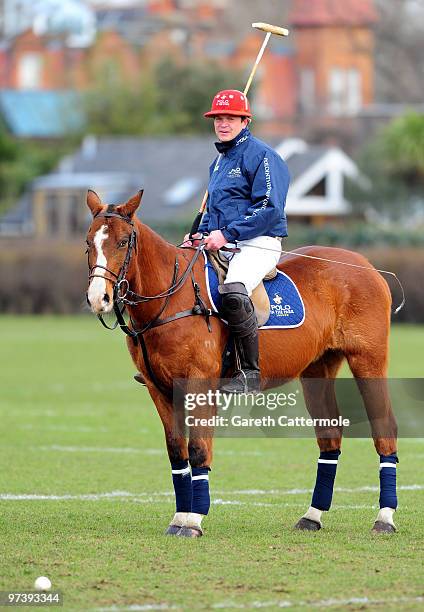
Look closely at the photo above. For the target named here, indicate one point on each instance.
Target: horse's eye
(123, 243)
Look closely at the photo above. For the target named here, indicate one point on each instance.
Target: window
(75, 225)
(345, 91)
(30, 71)
(307, 91)
(354, 88)
(52, 214)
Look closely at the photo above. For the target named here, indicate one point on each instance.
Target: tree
(122, 109)
(186, 92)
(402, 145)
(21, 162)
(394, 163)
(171, 100)
(400, 50)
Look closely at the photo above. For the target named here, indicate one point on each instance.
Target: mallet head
(267, 27)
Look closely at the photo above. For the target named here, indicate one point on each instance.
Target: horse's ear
(93, 202)
(128, 209)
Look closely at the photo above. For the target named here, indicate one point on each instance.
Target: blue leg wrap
(388, 498)
(181, 477)
(201, 499)
(326, 474)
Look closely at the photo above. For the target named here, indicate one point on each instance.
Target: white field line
(151, 451)
(39, 413)
(324, 603)
(128, 450)
(159, 499)
(28, 413)
(95, 386)
(222, 451)
(99, 449)
(82, 497)
(73, 429)
(155, 496)
(123, 496)
(65, 428)
(139, 608)
(366, 489)
(285, 603)
(279, 492)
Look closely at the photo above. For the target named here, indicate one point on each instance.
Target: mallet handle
(258, 59)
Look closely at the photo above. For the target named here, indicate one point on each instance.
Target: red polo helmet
(230, 102)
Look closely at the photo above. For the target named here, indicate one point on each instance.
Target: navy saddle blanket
(287, 308)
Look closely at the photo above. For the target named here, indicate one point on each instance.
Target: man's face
(228, 127)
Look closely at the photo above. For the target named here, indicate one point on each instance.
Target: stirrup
(243, 381)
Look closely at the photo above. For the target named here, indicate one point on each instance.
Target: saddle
(259, 295)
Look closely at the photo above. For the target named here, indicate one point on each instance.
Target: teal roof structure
(41, 114)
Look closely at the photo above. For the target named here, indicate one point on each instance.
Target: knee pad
(237, 308)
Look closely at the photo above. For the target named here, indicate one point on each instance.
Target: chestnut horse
(347, 316)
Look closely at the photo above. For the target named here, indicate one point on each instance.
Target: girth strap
(190, 312)
(162, 388)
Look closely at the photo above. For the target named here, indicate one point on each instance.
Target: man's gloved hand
(215, 240)
(188, 243)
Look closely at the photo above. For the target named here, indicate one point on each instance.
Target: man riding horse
(246, 198)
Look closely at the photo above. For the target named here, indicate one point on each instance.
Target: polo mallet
(269, 29)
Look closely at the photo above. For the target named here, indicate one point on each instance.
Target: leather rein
(123, 297)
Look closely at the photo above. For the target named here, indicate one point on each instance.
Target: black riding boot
(238, 310)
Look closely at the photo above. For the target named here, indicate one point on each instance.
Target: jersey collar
(226, 147)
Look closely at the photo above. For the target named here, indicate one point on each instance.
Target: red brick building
(199, 9)
(334, 64)
(317, 80)
(45, 62)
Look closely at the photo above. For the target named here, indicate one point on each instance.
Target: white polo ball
(42, 584)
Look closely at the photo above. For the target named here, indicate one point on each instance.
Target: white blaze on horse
(96, 294)
(164, 290)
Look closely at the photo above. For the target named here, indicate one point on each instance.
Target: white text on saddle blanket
(278, 309)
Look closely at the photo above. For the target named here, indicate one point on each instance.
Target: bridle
(115, 279)
(123, 296)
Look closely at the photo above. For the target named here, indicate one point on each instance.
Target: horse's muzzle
(100, 303)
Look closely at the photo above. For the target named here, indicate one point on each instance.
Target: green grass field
(83, 437)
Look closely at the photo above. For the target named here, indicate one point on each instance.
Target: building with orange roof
(318, 80)
(319, 13)
(334, 58)
(32, 62)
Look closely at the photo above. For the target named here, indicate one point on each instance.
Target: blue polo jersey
(247, 190)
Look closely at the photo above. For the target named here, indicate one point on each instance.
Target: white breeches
(250, 265)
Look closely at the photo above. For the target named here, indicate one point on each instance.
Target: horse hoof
(189, 532)
(306, 524)
(173, 530)
(380, 527)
